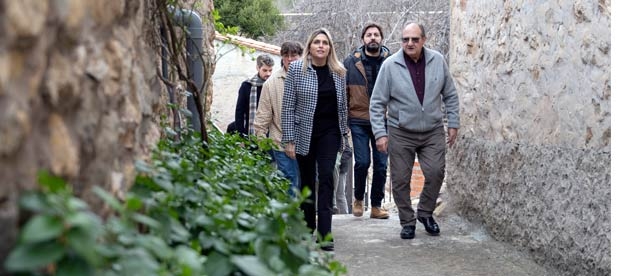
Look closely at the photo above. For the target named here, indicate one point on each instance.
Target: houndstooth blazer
(299, 103)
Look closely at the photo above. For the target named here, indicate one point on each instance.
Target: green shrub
(192, 211)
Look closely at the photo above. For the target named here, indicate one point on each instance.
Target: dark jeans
(363, 141)
(323, 151)
(289, 168)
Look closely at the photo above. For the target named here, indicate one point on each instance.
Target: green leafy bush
(192, 211)
(254, 18)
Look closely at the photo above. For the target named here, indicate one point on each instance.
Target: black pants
(322, 152)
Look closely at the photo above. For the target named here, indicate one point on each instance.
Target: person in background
(248, 96)
(363, 66)
(340, 181)
(412, 86)
(268, 117)
(314, 120)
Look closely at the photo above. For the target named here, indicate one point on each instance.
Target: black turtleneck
(371, 67)
(326, 112)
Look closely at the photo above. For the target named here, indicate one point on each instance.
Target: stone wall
(533, 157)
(79, 96)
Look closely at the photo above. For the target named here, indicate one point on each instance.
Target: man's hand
(382, 144)
(452, 136)
(290, 150)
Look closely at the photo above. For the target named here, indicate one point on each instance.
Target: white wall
(232, 68)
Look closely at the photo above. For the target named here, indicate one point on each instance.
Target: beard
(373, 47)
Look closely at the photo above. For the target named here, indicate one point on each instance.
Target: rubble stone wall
(79, 96)
(532, 160)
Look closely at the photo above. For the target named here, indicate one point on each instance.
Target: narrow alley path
(373, 247)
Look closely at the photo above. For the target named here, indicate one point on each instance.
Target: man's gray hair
(264, 59)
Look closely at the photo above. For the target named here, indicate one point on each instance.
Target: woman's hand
(290, 150)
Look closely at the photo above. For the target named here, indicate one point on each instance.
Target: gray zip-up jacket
(394, 92)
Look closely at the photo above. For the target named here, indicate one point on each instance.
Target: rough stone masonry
(79, 96)
(533, 156)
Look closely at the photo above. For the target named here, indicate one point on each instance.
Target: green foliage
(192, 211)
(254, 18)
(61, 234)
(220, 26)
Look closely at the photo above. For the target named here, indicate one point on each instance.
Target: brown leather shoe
(379, 213)
(358, 208)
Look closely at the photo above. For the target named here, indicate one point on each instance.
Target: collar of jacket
(280, 73)
(400, 58)
(310, 64)
(359, 53)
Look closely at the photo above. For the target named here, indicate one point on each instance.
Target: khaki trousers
(430, 148)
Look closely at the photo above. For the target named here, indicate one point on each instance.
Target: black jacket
(358, 87)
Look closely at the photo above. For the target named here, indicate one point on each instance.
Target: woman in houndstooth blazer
(314, 121)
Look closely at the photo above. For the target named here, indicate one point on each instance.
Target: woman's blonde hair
(332, 60)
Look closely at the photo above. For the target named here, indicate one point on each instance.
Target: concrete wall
(533, 156)
(79, 96)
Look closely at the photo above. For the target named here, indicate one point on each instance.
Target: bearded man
(362, 66)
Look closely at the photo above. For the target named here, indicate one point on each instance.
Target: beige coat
(268, 117)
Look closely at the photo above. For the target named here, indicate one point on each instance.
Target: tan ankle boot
(379, 213)
(358, 208)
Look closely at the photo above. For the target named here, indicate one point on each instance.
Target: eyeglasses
(413, 39)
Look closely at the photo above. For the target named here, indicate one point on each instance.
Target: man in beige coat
(268, 117)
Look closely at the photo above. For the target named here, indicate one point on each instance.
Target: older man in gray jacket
(411, 86)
